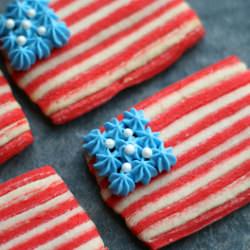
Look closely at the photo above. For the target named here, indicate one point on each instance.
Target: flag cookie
(37, 211)
(113, 45)
(15, 133)
(205, 118)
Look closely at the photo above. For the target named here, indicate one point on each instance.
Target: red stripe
(215, 141)
(19, 181)
(35, 221)
(183, 180)
(37, 198)
(202, 221)
(85, 35)
(210, 70)
(15, 146)
(6, 98)
(80, 240)
(197, 100)
(3, 81)
(149, 70)
(103, 67)
(11, 117)
(54, 232)
(198, 195)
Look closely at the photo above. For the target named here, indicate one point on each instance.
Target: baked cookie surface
(15, 133)
(114, 45)
(37, 211)
(206, 119)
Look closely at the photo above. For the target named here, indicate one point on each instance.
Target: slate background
(228, 32)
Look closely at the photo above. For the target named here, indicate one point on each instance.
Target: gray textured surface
(228, 32)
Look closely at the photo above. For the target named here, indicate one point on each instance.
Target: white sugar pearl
(128, 132)
(130, 149)
(10, 23)
(31, 13)
(110, 143)
(21, 40)
(126, 167)
(41, 30)
(26, 24)
(147, 153)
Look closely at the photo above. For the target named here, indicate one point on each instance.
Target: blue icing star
(22, 58)
(17, 9)
(114, 129)
(31, 25)
(107, 163)
(47, 17)
(121, 184)
(94, 142)
(59, 34)
(164, 159)
(41, 46)
(135, 120)
(38, 5)
(143, 171)
(147, 138)
(9, 41)
(2, 25)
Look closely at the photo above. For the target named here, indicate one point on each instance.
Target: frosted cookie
(205, 118)
(113, 45)
(15, 133)
(37, 211)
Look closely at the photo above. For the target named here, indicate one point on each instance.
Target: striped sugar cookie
(114, 45)
(15, 133)
(37, 211)
(206, 119)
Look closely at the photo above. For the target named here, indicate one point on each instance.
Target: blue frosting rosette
(128, 152)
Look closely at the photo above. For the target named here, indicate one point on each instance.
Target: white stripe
(67, 236)
(215, 200)
(8, 107)
(74, 6)
(197, 115)
(139, 60)
(176, 174)
(207, 81)
(207, 133)
(11, 132)
(27, 215)
(28, 190)
(4, 89)
(93, 244)
(106, 53)
(93, 41)
(187, 189)
(43, 228)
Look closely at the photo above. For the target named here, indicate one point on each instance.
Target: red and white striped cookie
(206, 118)
(37, 211)
(15, 133)
(114, 45)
